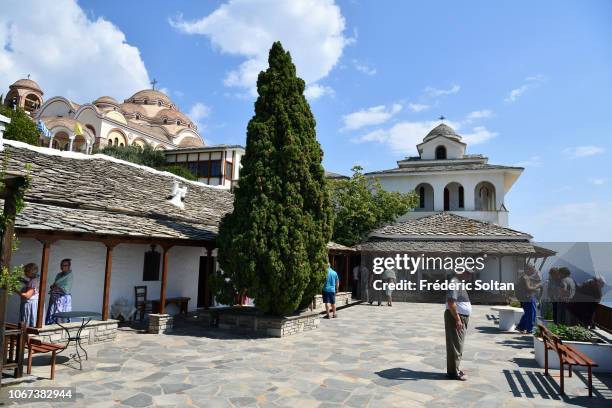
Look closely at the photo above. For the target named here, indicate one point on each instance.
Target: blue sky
(526, 83)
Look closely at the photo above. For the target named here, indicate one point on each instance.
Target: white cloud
(481, 114)
(312, 30)
(583, 151)
(417, 107)
(479, 134)
(531, 82)
(573, 222)
(404, 136)
(363, 68)
(198, 112)
(66, 52)
(533, 161)
(375, 115)
(599, 181)
(315, 91)
(435, 92)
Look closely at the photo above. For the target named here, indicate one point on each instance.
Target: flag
(78, 130)
(43, 129)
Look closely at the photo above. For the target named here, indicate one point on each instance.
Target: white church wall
(58, 107)
(183, 275)
(454, 150)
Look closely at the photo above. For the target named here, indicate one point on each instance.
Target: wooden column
(42, 290)
(108, 267)
(164, 281)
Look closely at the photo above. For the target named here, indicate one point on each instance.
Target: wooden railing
(603, 317)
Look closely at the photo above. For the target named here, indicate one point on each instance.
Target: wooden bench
(36, 346)
(567, 355)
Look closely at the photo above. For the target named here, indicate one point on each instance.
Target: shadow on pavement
(407, 374)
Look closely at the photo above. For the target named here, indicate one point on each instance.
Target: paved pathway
(370, 357)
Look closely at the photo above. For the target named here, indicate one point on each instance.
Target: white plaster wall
(407, 183)
(88, 263)
(55, 108)
(454, 150)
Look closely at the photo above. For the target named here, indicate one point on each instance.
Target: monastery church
(133, 230)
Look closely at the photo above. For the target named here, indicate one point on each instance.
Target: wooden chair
(567, 356)
(15, 336)
(36, 346)
(140, 301)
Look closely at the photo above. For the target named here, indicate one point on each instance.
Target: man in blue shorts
(329, 291)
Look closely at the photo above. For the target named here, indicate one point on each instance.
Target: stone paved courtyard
(369, 357)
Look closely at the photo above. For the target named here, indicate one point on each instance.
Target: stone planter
(97, 331)
(342, 299)
(601, 353)
(249, 320)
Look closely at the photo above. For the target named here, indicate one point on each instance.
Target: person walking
(29, 295)
(60, 298)
(456, 317)
(332, 283)
(527, 288)
(389, 277)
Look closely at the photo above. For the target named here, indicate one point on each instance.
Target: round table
(508, 317)
(85, 317)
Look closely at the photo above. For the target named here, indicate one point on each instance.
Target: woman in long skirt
(60, 299)
(29, 295)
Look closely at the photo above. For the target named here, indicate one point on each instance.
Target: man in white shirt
(456, 317)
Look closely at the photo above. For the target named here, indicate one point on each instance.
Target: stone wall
(160, 323)
(251, 321)
(96, 331)
(342, 299)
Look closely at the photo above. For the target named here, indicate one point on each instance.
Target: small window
(228, 170)
(215, 168)
(461, 200)
(178, 123)
(203, 168)
(159, 103)
(193, 167)
(150, 271)
(165, 121)
(146, 101)
(110, 142)
(137, 117)
(116, 141)
(440, 153)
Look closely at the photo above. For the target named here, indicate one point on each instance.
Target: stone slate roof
(336, 176)
(101, 195)
(334, 246)
(447, 233)
(442, 130)
(446, 225)
(444, 167)
(449, 247)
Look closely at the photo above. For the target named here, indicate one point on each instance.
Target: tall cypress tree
(274, 242)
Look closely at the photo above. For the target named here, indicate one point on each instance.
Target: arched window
(178, 122)
(159, 103)
(440, 153)
(110, 142)
(461, 197)
(137, 116)
(146, 101)
(116, 141)
(422, 197)
(446, 199)
(165, 121)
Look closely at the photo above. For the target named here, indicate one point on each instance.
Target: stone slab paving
(369, 357)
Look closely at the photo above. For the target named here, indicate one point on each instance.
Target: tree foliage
(181, 171)
(21, 128)
(360, 205)
(146, 156)
(274, 242)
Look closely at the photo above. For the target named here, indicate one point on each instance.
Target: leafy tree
(274, 242)
(180, 171)
(146, 156)
(22, 127)
(361, 205)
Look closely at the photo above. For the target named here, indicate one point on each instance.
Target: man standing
(456, 316)
(329, 291)
(358, 272)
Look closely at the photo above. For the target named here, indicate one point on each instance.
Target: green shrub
(515, 303)
(571, 333)
(180, 171)
(21, 128)
(146, 156)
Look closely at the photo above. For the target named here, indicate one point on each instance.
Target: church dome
(442, 130)
(27, 83)
(150, 97)
(106, 100)
(170, 117)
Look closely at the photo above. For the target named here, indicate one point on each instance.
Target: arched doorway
(484, 196)
(440, 153)
(61, 141)
(425, 193)
(454, 197)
